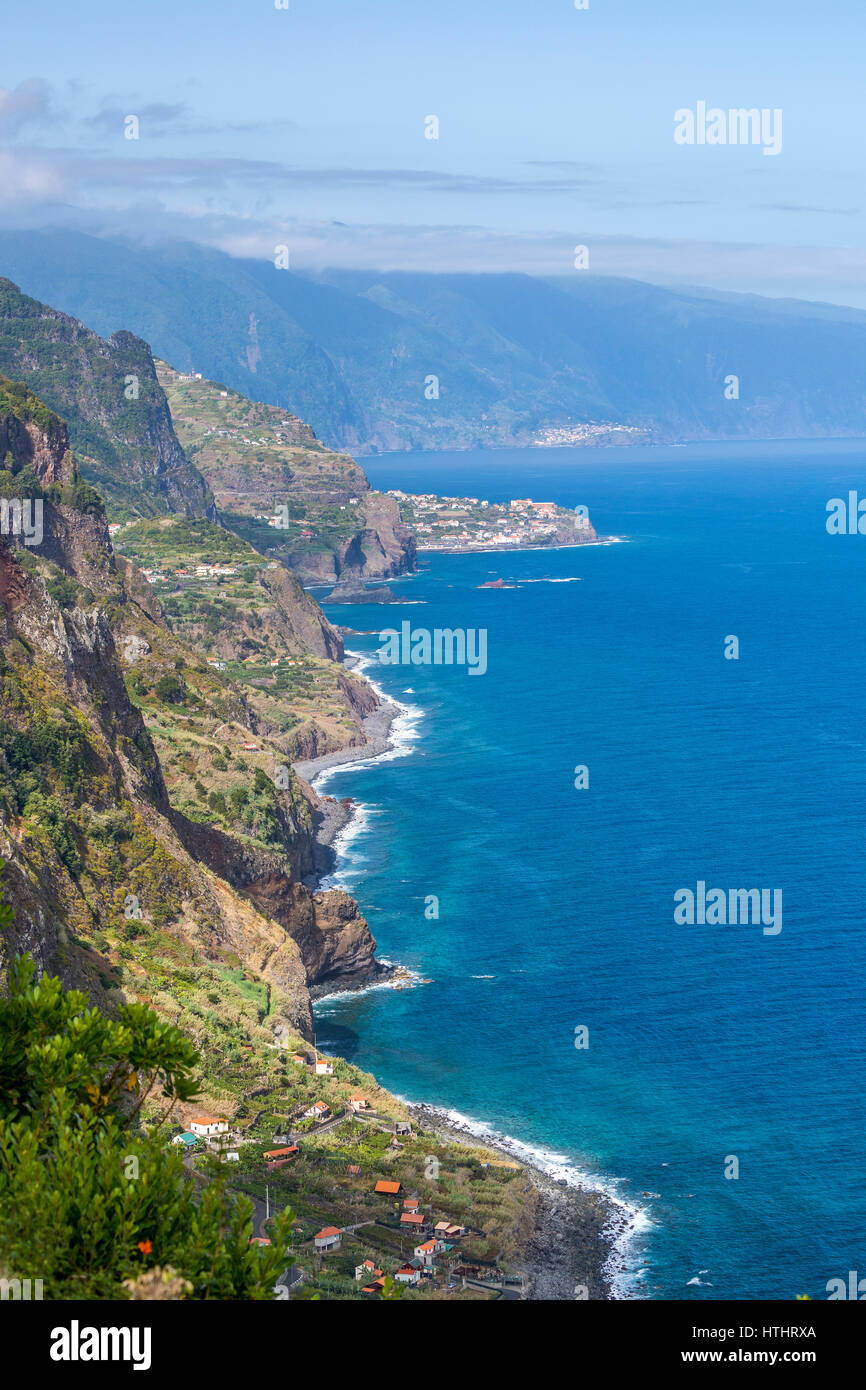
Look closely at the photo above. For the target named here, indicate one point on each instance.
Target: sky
(308, 127)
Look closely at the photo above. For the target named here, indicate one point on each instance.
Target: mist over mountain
(398, 360)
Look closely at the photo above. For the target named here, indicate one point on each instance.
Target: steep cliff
(115, 887)
(265, 466)
(109, 396)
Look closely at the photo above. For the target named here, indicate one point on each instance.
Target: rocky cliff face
(261, 459)
(381, 548)
(332, 936)
(108, 393)
(113, 887)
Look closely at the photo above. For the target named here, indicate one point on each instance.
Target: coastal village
(383, 1207)
(385, 1202)
(471, 523)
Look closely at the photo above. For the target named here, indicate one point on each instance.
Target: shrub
(169, 690)
(72, 1084)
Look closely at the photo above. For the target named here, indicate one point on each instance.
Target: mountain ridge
(379, 361)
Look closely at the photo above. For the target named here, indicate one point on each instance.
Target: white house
(205, 1126)
(317, 1111)
(407, 1275)
(428, 1251)
(329, 1238)
(323, 1067)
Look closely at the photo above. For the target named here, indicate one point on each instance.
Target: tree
(170, 690)
(90, 1202)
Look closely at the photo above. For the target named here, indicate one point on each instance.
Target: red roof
(390, 1187)
(409, 1219)
(328, 1231)
(281, 1153)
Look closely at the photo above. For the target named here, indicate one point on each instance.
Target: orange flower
(145, 1247)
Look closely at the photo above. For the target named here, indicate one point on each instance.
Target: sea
(522, 846)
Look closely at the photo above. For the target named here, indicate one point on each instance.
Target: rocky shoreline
(573, 1246)
(572, 1251)
(377, 729)
(333, 815)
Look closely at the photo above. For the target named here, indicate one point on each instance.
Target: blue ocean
(706, 1042)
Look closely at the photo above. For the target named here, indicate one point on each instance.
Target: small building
(287, 1151)
(445, 1229)
(428, 1252)
(206, 1126)
(324, 1067)
(407, 1274)
(411, 1204)
(258, 1240)
(188, 1140)
(329, 1238)
(317, 1111)
(358, 1102)
(367, 1270)
(388, 1189)
(402, 1127)
(413, 1220)
(299, 1059)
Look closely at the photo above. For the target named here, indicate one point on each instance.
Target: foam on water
(628, 1225)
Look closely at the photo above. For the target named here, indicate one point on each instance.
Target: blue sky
(305, 127)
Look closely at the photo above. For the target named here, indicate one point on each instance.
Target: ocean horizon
(709, 1048)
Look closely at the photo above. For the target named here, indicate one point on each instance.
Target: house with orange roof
(428, 1251)
(407, 1274)
(359, 1102)
(317, 1111)
(414, 1220)
(206, 1126)
(287, 1151)
(388, 1189)
(329, 1238)
(367, 1270)
(324, 1067)
(411, 1204)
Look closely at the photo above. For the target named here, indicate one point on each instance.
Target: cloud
(27, 104)
(28, 181)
